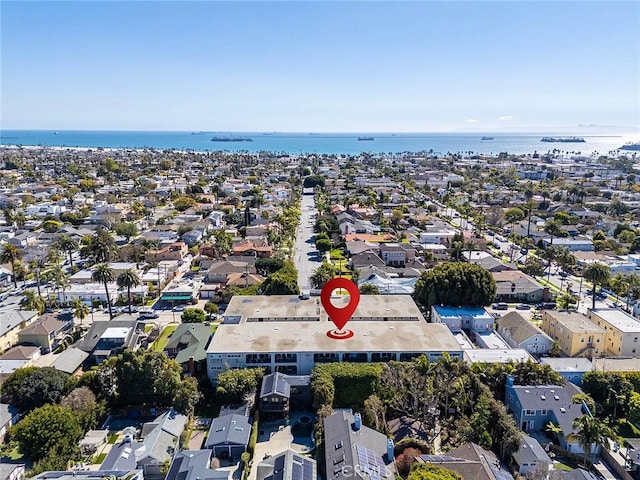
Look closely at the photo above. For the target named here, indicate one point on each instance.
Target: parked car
(523, 306)
(501, 306)
(546, 305)
(563, 274)
(148, 315)
(179, 308)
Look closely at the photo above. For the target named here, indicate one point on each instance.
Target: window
(544, 412)
(529, 412)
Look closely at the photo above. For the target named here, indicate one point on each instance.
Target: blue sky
(319, 66)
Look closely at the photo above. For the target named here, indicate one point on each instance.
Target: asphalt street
(305, 256)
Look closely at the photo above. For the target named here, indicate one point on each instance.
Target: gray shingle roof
(193, 339)
(519, 328)
(194, 465)
(275, 384)
(229, 430)
(530, 451)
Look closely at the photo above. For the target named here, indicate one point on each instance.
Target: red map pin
(340, 316)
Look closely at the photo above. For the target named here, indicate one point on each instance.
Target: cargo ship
(232, 139)
(562, 139)
(635, 146)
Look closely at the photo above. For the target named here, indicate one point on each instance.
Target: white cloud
(506, 118)
(471, 120)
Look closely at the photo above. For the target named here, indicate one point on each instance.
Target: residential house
(471, 461)
(489, 262)
(517, 286)
(194, 465)
(70, 361)
(397, 254)
(19, 356)
(475, 319)
(287, 465)
(12, 471)
(173, 251)
(46, 332)
(573, 244)
(243, 279)
(91, 475)
(107, 338)
(252, 249)
(89, 293)
(220, 269)
(531, 456)
(352, 447)
(9, 415)
(616, 364)
(11, 322)
(571, 369)
(623, 331)
(366, 259)
(160, 440)
(519, 332)
(575, 333)
(533, 407)
(229, 436)
(188, 346)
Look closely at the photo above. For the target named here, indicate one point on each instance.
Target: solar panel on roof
(278, 464)
(370, 462)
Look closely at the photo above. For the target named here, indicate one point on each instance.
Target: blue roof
(447, 311)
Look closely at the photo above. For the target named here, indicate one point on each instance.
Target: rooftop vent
(563, 410)
(542, 397)
(556, 397)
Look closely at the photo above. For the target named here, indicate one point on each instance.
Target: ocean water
(325, 143)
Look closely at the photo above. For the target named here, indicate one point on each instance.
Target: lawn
(112, 438)
(558, 465)
(336, 254)
(97, 460)
(162, 340)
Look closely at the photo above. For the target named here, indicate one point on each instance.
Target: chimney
(390, 450)
(192, 365)
(357, 422)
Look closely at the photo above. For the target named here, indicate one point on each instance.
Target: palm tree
(67, 244)
(36, 266)
(554, 429)
(591, 431)
(11, 254)
(565, 300)
(80, 310)
(457, 248)
(128, 279)
(32, 301)
(59, 277)
(565, 258)
(104, 274)
(597, 273)
(322, 275)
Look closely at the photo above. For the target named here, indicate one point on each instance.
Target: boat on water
(232, 139)
(486, 138)
(365, 139)
(635, 146)
(198, 133)
(562, 139)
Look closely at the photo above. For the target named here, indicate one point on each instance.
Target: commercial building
(286, 334)
(623, 331)
(575, 333)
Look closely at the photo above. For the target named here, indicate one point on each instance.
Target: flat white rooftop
(116, 332)
(496, 356)
(290, 308)
(292, 336)
(618, 319)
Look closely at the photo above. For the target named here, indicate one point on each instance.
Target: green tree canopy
(369, 289)
(127, 230)
(138, 377)
(183, 203)
(428, 471)
(51, 430)
(456, 284)
(193, 315)
(235, 384)
(51, 226)
(313, 181)
(11, 386)
(266, 266)
(41, 386)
